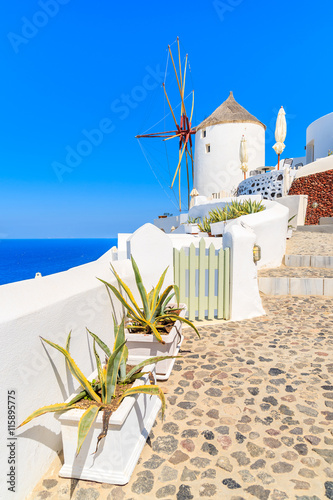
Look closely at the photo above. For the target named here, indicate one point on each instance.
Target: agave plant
(193, 220)
(217, 215)
(156, 311)
(101, 393)
(251, 206)
(204, 225)
(235, 209)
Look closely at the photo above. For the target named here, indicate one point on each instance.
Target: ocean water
(22, 259)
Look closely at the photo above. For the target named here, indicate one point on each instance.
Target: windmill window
(203, 134)
(207, 148)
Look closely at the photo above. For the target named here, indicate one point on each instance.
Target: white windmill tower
(217, 140)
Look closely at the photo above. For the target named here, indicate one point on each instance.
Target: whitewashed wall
(322, 165)
(220, 169)
(168, 222)
(245, 298)
(270, 227)
(321, 133)
(297, 205)
(50, 307)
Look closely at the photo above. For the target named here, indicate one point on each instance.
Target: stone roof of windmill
(229, 112)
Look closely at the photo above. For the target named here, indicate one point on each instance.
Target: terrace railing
(203, 277)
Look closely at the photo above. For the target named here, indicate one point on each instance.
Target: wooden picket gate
(203, 278)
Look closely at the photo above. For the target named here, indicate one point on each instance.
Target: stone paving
(307, 243)
(249, 415)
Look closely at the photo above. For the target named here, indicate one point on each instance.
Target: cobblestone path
(249, 415)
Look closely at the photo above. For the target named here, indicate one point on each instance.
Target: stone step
(323, 228)
(296, 286)
(325, 220)
(296, 281)
(323, 261)
(296, 272)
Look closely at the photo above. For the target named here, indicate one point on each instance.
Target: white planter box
(202, 235)
(120, 450)
(218, 228)
(289, 233)
(191, 228)
(141, 347)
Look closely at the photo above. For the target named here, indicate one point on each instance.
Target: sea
(22, 259)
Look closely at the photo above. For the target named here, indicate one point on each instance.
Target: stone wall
(319, 188)
(269, 185)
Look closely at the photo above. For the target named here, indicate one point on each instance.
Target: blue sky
(92, 71)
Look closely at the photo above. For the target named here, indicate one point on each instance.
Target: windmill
(183, 129)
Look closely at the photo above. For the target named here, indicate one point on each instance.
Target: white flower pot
(218, 228)
(289, 233)
(202, 234)
(142, 346)
(191, 228)
(120, 450)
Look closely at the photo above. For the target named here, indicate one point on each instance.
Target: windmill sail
(182, 131)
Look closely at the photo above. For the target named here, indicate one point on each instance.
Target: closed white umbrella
(243, 156)
(193, 194)
(280, 133)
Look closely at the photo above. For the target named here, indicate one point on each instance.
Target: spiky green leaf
(136, 315)
(177, 294)
(99, 370)
(147, 362)
(184, 320)
(156, 293)
(47, 409)
(100, 342)
(112, 372)
(119, 339)
(156, 333)
(75, 370)
(141, 288)
(86, 421)
(68, 342)
(167, 301)
(152, 390)
(161, 302)
(126, 289)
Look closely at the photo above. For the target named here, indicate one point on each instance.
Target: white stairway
(300, 275)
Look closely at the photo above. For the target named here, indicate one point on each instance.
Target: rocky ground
(307, 243)
(249, 414)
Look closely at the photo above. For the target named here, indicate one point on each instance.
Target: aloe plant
(102, 392)
(155, 311)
